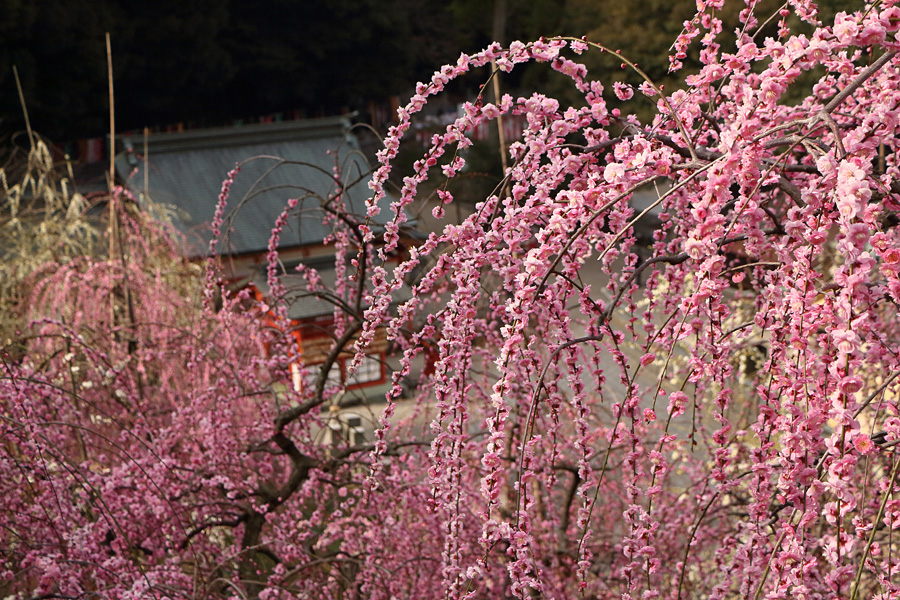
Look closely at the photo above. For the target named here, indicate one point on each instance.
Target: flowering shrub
(42, 222)
(713, 416)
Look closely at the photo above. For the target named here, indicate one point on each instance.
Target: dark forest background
(210, 62)
(207, 62)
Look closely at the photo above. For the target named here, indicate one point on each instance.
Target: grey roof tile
(280, 161)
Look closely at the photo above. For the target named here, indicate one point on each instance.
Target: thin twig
(884, 501)
(873, 395)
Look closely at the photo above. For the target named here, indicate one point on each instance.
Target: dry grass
(43, 222)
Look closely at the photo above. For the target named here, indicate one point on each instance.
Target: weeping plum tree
(713, 414)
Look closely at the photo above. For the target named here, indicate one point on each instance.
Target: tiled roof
(279, 161)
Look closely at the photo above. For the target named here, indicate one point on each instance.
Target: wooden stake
(146, 165)
(112, 117)
(110, 182)
(24, 108)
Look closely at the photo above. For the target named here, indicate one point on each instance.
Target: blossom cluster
(691, 396)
